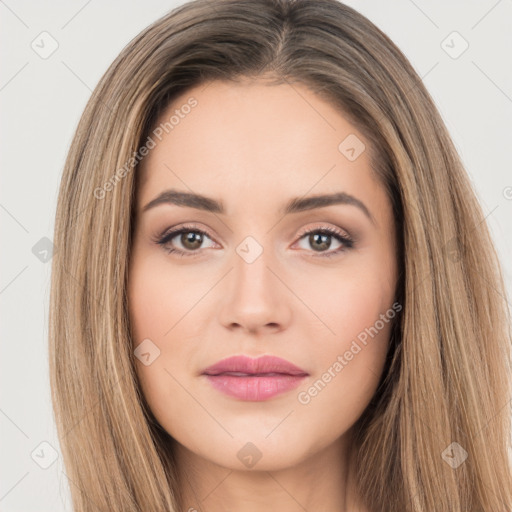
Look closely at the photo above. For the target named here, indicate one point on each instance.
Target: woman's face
(255, 273)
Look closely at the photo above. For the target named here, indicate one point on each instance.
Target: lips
(244, 366)
(251, 379)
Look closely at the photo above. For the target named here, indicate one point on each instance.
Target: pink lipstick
(254, 379)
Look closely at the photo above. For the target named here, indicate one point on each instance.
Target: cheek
(357, 313)
(347, 301)
(158, 299)
(158, 305)
(349, 368)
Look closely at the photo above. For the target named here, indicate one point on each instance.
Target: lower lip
(256, 388)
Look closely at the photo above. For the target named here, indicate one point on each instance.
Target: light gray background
(41, 100)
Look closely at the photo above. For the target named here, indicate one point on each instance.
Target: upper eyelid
(176, 231)
(335, 229)
(192, 227)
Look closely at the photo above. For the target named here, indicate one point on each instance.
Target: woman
(211, 349)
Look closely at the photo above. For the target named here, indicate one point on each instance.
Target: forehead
(248, 140)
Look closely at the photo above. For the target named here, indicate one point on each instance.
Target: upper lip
(251, 366)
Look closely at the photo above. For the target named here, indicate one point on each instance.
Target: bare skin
(254, 147)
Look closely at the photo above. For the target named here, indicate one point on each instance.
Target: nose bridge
(254, 297)
(251, 273)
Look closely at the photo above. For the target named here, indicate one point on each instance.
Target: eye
(320, 239)
(190, 238)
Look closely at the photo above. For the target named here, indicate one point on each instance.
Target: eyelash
(165, 238)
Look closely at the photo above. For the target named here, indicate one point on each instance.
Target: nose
(254, 297)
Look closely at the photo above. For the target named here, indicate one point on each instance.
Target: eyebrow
(298, 204)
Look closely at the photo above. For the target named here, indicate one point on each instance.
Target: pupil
(191, 240)
(322, 238)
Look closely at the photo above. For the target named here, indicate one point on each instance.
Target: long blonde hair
(447, 377)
